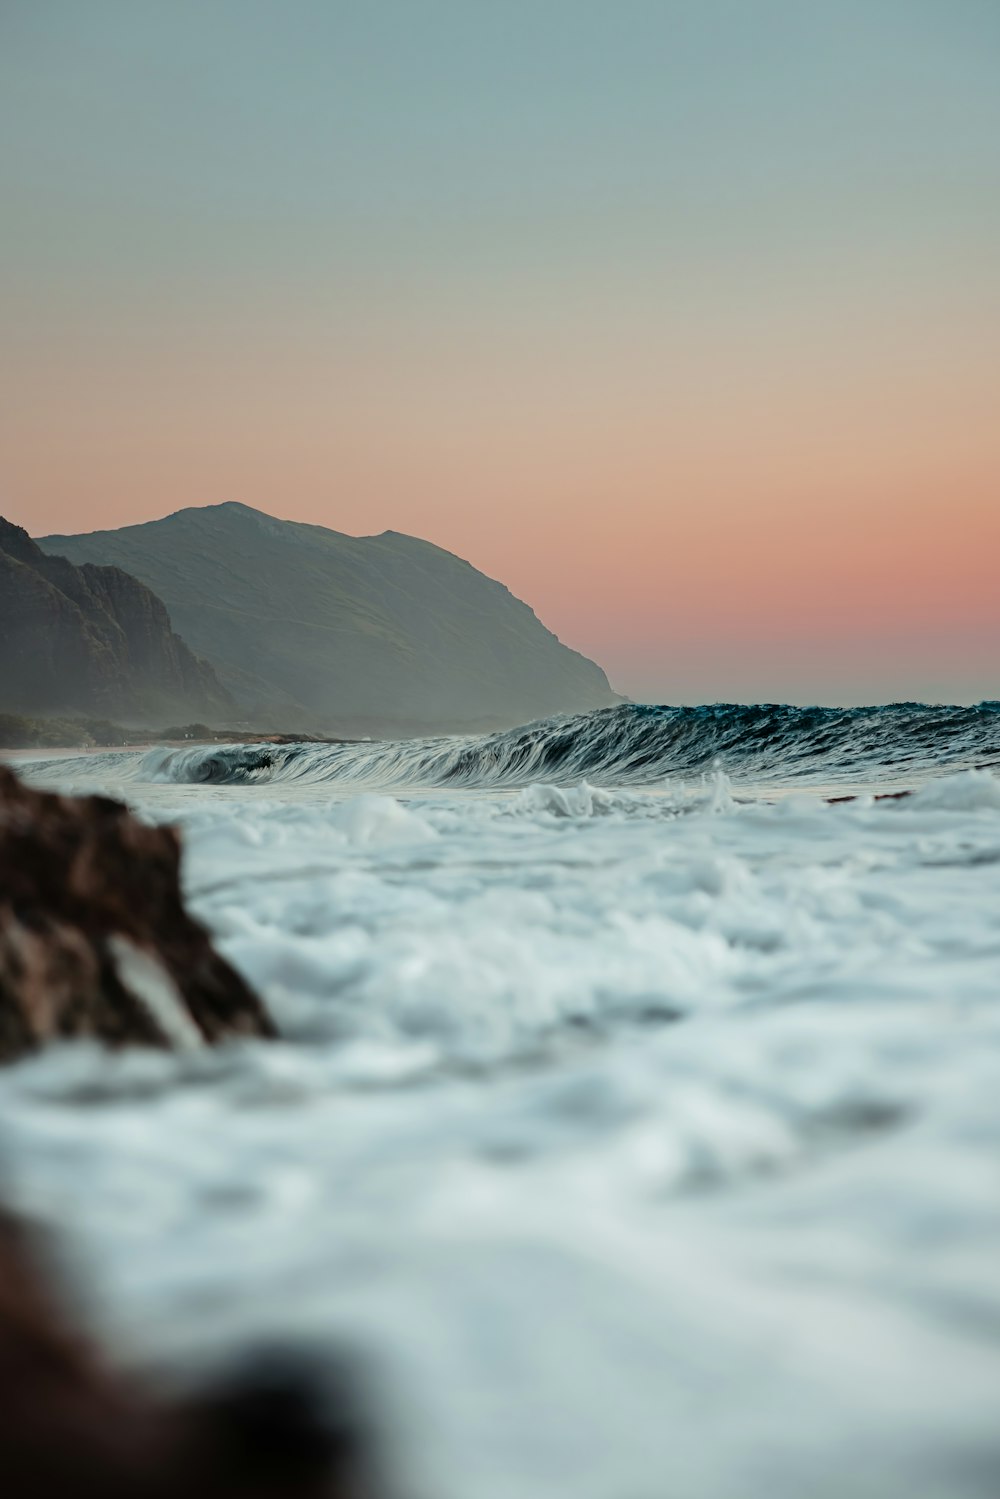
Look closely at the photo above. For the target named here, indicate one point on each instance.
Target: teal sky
(626, 303)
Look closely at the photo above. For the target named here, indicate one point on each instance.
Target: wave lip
(627, 745)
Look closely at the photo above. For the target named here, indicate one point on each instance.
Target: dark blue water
(628, 745)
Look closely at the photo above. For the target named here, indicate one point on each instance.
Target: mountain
(361, 634)
(92, 639)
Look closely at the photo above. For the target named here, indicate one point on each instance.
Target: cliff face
(92, 639)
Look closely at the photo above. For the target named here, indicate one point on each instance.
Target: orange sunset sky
(681, 319)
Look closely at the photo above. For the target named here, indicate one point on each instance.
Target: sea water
(636, 1121)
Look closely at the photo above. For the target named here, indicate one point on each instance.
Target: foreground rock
(70, 1426)
(94, 937)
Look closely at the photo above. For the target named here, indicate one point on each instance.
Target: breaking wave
(628, 745)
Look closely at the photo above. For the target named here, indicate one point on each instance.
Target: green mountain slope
(354, 633)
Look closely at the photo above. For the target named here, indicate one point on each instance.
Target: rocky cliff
(92, 639)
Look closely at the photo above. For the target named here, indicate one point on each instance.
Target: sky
(681, 317)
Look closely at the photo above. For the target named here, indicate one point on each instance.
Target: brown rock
(69, 1425)
(94, 937)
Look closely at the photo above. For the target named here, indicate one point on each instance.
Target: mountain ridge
(387, 630)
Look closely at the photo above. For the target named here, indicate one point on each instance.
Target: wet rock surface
(94, 937)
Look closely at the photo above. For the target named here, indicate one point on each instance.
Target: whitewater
(635, 1129)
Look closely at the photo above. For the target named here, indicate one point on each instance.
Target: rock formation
(94, 937)
(95, 941)
(70, 1426)
(92, 639)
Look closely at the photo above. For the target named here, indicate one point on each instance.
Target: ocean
(636, 1125)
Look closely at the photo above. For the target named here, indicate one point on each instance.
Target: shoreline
(64, 751)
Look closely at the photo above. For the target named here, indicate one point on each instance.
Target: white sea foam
(646, 1140)
(969, 791)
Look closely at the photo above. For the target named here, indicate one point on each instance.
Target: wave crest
(627, 745)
